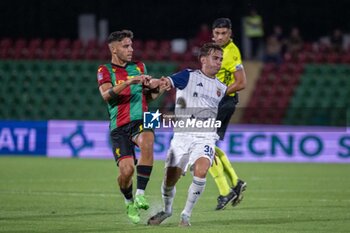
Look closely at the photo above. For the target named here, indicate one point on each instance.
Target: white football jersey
(197, 98)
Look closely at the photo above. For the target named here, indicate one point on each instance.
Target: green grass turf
(80, 195)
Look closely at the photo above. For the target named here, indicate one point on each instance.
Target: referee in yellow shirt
(233, 75)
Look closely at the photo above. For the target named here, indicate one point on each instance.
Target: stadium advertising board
(287, 144)
(245, 143)
(23, 138)
(79, 139)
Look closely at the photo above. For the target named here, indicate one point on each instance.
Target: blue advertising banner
(23, 138)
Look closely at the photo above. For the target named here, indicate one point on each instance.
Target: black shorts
(226, 109)
(122, 143)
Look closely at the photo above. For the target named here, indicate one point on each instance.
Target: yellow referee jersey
(231, 62)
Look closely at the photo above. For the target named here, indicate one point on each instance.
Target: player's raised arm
(152, 88)
(108, 91)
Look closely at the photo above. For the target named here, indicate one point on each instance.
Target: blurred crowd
(292, 47)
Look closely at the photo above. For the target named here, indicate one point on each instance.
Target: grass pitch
(81, 195)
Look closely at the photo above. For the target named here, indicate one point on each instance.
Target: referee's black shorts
(226, 109)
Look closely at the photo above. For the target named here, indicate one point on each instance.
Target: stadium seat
(151, 44)
(6, 42)
(137, 44)
(345, 58)
(323, 89)
(333, 58)
(53, 82)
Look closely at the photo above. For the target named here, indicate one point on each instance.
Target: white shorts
(185, 149)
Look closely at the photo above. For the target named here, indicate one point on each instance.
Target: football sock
(228, 169)
(127, 194)
(194, 192)
(217, 172)
(168, 194)
(143, 174)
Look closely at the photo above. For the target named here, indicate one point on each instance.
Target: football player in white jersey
(198, 94)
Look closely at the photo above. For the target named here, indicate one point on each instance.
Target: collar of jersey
(119, 65)
(227, 43)
(206, 75)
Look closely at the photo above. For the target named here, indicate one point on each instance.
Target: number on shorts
(208, 151)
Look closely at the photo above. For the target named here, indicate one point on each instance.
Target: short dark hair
(222, 23)
(207, 48)
(120, 35)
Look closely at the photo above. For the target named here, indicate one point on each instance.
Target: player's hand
(153, 83)
(164, 84)
(146, 79)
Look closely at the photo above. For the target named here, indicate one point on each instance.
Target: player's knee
(127, 170)
(201, 171)
(201, 174)
(146, 145)
(201, 167)
(145, 140)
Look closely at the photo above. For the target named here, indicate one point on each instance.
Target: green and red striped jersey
(131, 102)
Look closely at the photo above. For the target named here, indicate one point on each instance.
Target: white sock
(168, 194)
(128, 201)
(140, 192)
(194, 192)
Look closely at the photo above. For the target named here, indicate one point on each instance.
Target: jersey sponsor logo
(200, 85)
(117, 82)
(195, 94)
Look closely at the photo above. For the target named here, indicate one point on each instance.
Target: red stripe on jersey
(141, 66)
(103, 75)
(144, 104)
(123, 115)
